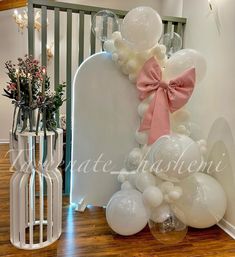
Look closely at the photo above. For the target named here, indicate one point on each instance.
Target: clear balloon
(142, 28)
(174, 157)
(183, 60)
(104, 23)
(203, 202)
(170, 231)
(172, 41)
(126, 213)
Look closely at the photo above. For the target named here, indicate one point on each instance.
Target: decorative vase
(35, 189)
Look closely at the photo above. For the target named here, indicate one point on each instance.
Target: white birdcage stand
(35, 216)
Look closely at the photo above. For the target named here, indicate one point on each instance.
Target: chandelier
(22, 20)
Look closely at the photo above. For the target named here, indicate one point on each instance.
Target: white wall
(215, 97)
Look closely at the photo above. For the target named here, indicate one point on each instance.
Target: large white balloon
(126, 213)
(203, 203)
(183, 60)
(142, 28)
(174, 157)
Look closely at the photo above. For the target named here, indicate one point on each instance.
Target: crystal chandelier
(22, 20)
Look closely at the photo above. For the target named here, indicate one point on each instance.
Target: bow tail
(156, 118)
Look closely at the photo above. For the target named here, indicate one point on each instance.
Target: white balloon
(175, 157)
(166, 187)
(132, 178)
(119, 43)
(144, 180)
(126, 213)
(132, 77)
(181, 115)
(142, 108)
(152, 196)
(115, 56)
(116, 34)
(109, 46)
(183, 60)
(141, 137)
(131, 65)
(203, 202)
(126, 185)
(160, 213)
(142, 27)
(121, 178)
(175, 194)
(134, 159)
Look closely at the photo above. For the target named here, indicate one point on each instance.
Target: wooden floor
(87, 234)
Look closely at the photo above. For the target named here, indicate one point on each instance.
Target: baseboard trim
(227, 227)
(4, 141)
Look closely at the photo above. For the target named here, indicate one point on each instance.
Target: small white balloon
(116, 34)
(115, 57)
(152, 196)
(181, 115)
(144, 180)
(141, 137)
(131, 65)
(166, 187)
(142, 28)
(126, 213)
(132, 77)
(121, 178)
(134, 159)
(142, 108)
(109, 46)
(126, 185)
(119, 43)
(160, 213)
(175, 194)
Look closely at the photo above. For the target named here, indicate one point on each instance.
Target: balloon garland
(161, 183)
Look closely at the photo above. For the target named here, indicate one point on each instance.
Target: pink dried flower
(11, 87)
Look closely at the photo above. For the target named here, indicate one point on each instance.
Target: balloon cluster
(161, 184)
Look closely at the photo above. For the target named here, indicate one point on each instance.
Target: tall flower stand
(35, 189)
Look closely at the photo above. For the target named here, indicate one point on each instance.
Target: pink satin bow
(167, 97)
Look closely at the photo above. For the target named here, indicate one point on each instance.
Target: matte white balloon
(116, 34)
(142, 28)
(134, 159)
(183, 60)
(175, 157)
(203, 202)
(160, 213)
(175, 194)
(115, 57)
(152, 196)
(132, 77)
(141, 137)
(126, 213)
(144, 180)
(109, 46)
(126, 185)
(142, 108)
(166, 187)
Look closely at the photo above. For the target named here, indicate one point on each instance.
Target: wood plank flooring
(87, 234)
